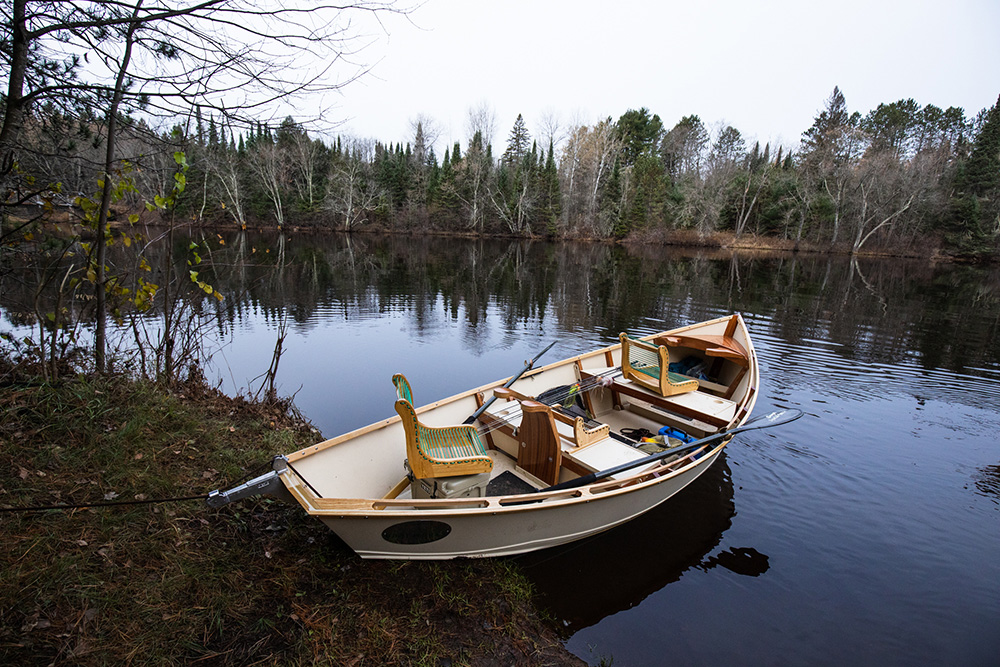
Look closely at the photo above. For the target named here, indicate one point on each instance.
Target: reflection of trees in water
(875, 311)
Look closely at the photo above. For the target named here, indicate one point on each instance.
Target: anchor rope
(114, 503)
(117, 503)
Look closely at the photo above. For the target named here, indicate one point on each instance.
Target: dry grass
(253, 583)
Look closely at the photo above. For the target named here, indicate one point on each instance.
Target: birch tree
(269, 163)
(354, 193)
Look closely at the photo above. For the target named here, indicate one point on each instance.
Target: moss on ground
(258, 582)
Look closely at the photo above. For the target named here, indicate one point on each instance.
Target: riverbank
(929, 247)
(178, 583)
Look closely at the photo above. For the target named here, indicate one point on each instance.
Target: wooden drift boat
(555, 454)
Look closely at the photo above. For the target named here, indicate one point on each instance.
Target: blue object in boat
(671, 432)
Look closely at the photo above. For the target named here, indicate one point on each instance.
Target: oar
(764, 421)
(527, 367)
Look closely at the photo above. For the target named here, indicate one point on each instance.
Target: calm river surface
(867, 532)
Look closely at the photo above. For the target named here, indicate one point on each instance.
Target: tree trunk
(101, 305)
(15, 87)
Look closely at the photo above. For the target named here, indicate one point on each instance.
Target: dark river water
(867, 532)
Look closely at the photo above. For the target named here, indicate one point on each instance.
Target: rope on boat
(299, 475)
(117, 503)
(43, 508)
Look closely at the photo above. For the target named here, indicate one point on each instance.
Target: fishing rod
(527, 367)
(579, 388)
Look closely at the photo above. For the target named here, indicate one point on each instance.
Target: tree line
(898, 178)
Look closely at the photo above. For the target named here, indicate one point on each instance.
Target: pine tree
(517, 143)
(975, 209)
(639, 132)
(552, 208)
(199, 127)
(982, 172)
(828, 125)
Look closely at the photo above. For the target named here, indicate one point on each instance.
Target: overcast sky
(765, 67)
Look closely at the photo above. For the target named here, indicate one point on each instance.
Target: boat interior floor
(508, 483)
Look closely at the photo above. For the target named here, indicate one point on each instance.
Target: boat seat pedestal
(461, 486)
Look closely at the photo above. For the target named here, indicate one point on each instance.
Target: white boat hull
(511, 530)
(354, 483)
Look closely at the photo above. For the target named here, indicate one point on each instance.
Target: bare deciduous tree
(353, 190)
(482, 120)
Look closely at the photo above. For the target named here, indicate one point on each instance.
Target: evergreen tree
(975, 214)
(199, 128)
(517, 142)
(982, 172)
(433, 176)
(552, 203)
(828, 125)
(639, 133)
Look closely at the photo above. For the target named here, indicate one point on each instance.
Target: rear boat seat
(702, 411)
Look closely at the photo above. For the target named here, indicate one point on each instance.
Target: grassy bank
(258, 582)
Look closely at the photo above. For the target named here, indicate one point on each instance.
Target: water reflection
(875, 518)
(579, 584)
(870, 312)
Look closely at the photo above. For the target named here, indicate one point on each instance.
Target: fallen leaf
(110, 495)
(23, 473)
(138, 455)
(36, 624)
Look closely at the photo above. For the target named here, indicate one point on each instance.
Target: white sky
(766, 67)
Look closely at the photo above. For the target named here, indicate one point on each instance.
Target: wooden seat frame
(663, 381)
(438, 451)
